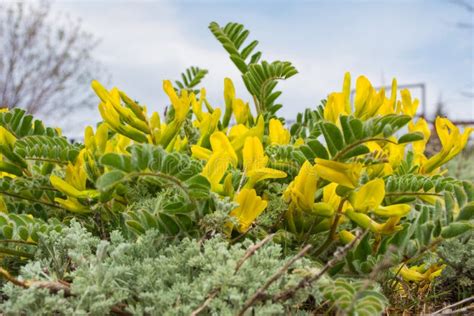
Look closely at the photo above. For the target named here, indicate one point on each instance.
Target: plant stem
(59, 162)
(412, 193)
(308, 280)
(332, 232)
(261, 291)
(13, 195)
(15, 253)
(341, 154)
(13, 241)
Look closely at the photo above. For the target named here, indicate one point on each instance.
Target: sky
(144, 42)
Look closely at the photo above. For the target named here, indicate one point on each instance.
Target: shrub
(348, 185)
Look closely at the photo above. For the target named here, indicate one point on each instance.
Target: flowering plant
(343, 168)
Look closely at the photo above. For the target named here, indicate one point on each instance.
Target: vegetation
(210, 211)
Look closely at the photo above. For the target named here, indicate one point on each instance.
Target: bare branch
(464, 301)
(44, 60)
(252, 250)
(308, 280)
(261, 291)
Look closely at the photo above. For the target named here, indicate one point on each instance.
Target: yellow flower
(72, 204)
(253, 154)
(155, 127)
(180, 104)
(200, 152)
(301, 191)
(395, 210)
(419, 146)
(255, 161)
(453, 143)
(335, 107)
(219, 158)
(207, 126)
(7, 139)
(241, 111)
(396, 152)
(338, 103)
(407, 106)
(346, 236)
(277, 133)
(299, 142)
(117, 144)
(139, 111)
(178, 144)
(229, 96)
(132, 115)
(239, 141)
(96, 143)
(101, 92)
(330, 196)
(112, 117)
(346, 174)
(367, 101)
(391, 150)
(197, 104)
(420, 273)
(250, 207)
(388, 105)
(363, 94)
(219, 143)
(363, 220)
(237, 130)
(369, 196)
(215, 169)
(69, 190)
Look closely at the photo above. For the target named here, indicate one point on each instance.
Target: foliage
(259, 78)
(457, 280)
(191, 78)
(160, 278)
(355, 297)
(157, 185)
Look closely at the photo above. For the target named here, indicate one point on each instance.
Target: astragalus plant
(211, 210)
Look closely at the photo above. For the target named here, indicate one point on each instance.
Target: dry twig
(260, 293)
(250, 252)
(308, 280)
(464, 301)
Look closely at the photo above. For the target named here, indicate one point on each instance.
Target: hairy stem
(341, 154)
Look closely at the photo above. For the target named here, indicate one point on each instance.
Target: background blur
(144, 42)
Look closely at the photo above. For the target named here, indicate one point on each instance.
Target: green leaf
(461, 197)
(109, 180)
(135, 226)
(333, 137)
(456, 228)
(198, 187)
(191, 77)
(410, 137)
(317, 149)
(261, 79)
(356, 151)
(466, 213)
(117, 161)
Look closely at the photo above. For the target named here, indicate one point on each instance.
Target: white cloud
(146, 42)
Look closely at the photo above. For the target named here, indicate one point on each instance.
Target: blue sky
(144, 42)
